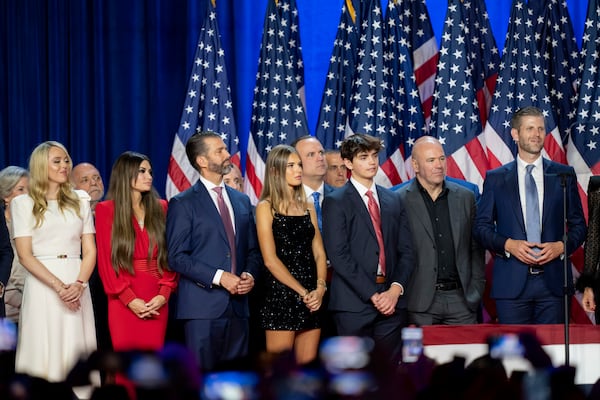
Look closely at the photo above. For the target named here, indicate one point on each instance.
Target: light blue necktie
(316, 196)
(532, 204)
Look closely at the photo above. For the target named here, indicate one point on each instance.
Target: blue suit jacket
(198, 246)
(500, 216)
(352, 247)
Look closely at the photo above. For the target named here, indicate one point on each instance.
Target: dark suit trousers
(385, 331)
(217, 341)
(449, 307)
(536, 305)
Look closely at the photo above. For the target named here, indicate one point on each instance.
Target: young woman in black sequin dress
(294, 255)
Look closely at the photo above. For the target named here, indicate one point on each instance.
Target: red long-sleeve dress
(127, 331)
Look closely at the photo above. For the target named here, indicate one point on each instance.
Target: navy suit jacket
(198, 246)
(500, 216)
(352, 247)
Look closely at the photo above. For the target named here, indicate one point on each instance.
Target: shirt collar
(538, 164)
(308, 191)
(209, 185)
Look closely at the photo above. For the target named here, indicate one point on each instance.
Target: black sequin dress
(281, 308)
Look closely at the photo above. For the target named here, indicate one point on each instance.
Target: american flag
(484, 53)
(290, 23)
(584, 146)
(407, 122)
(370, 103)
(560, 54)
(422, 42)
(520, 83)
(583, 152)
(467, 71)
(278, 115)
(207, 106)
(561, 66)
(335, 104)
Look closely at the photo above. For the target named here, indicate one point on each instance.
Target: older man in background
(85, 176)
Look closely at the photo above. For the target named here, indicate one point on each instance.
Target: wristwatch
(82, 283)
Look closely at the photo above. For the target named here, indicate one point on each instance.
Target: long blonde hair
(275, 188)
(39, 183)
(124, 172)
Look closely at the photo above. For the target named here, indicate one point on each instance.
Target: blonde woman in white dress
(53, 231)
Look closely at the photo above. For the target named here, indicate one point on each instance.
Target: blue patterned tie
(316, 196)
(532, 208)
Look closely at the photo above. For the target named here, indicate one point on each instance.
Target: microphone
(563, 174)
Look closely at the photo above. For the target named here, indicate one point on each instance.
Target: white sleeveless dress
(53, 338)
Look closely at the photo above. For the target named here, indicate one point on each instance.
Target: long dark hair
(124, 172)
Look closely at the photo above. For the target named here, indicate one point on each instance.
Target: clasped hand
(534, 253)
(313, 300)
(145, 310)
(234, 284)
(385, 302)
(70, 295)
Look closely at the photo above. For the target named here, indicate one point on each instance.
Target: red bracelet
(82, 283)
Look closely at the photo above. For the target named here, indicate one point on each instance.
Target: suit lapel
(416, 206)
(385, 204)
(456, 215)
(357, 204)
(236, 213)
(551, 183)
(213, 213)
(511, 182)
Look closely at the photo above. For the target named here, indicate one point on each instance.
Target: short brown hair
(359, 143)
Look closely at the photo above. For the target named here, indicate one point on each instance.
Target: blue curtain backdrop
(106, 76)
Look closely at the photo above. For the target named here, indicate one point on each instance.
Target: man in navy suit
(372, 255)
(215, 277)
(520, 219)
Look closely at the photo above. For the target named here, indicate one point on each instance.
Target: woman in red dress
(132, 256)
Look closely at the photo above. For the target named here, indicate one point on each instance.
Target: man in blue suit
(367, 238)
(217, 265)
(520, 219)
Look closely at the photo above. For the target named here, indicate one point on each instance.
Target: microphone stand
(563, 183)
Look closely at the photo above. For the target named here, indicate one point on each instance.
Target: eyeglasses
(91, 179)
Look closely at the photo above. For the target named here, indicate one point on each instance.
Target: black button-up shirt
(439, 214)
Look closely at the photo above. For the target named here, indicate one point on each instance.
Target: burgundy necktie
(376, 219)
(226, 218)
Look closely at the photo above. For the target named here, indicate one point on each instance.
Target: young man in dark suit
(212, 243)
(367, 238)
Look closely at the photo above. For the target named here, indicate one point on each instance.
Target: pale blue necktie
(532, 205)
(316, 196)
